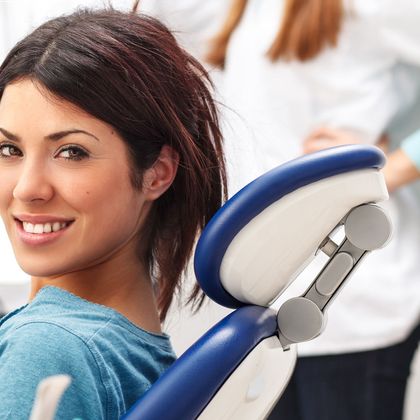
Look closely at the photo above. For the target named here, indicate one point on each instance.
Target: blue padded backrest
(261, 193)
(185, 389)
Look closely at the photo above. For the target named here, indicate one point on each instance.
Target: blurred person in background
(305, 75)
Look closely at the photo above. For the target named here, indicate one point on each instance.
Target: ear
(158, 178)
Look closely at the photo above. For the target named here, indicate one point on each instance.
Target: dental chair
(250, 252)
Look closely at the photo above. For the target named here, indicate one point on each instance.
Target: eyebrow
(54, 136)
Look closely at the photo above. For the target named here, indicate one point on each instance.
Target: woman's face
(66, 198)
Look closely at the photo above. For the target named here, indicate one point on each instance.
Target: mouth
(43, 228)
(36, 231)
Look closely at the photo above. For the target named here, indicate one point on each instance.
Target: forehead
(28, 106)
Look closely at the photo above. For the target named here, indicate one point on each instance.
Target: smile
(38, 230)
(44, 227)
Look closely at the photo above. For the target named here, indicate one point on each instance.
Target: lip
(38, 239)
(41, 218)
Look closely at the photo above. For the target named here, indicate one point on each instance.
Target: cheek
(92, 191)
(108, 208)
(8, 183)
(108, 222)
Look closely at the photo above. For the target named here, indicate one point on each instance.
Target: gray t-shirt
(111, 361)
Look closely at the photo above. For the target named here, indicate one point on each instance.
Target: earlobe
(159, 177)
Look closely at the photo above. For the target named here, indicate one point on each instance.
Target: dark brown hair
(306, 28)
(128, 71)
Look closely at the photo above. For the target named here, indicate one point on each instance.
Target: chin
(37, 268)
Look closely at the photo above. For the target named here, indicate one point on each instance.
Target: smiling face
(66, 197)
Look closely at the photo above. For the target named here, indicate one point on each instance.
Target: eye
(72, 153)
(8, 151)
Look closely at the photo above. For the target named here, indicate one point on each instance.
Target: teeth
(38, 228)
(28, 227)
(43, 228)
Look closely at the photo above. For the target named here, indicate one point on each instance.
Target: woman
(111, 163)
(310, 74)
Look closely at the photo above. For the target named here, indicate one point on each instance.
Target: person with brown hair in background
(310, 74)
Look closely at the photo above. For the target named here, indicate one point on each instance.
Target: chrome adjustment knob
(368, 227)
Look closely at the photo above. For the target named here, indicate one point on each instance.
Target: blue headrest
(258, 195)
(185, 389)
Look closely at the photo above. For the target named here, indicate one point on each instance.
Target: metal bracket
(367, 227)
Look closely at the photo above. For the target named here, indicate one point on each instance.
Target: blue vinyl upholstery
(185, 389)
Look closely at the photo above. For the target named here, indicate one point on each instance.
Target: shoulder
(32, 351)
(33, 339)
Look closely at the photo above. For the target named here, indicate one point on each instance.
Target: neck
(120, 283)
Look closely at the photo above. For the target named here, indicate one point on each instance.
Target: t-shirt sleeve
(35, 351)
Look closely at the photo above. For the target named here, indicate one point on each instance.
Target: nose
(33, 185)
